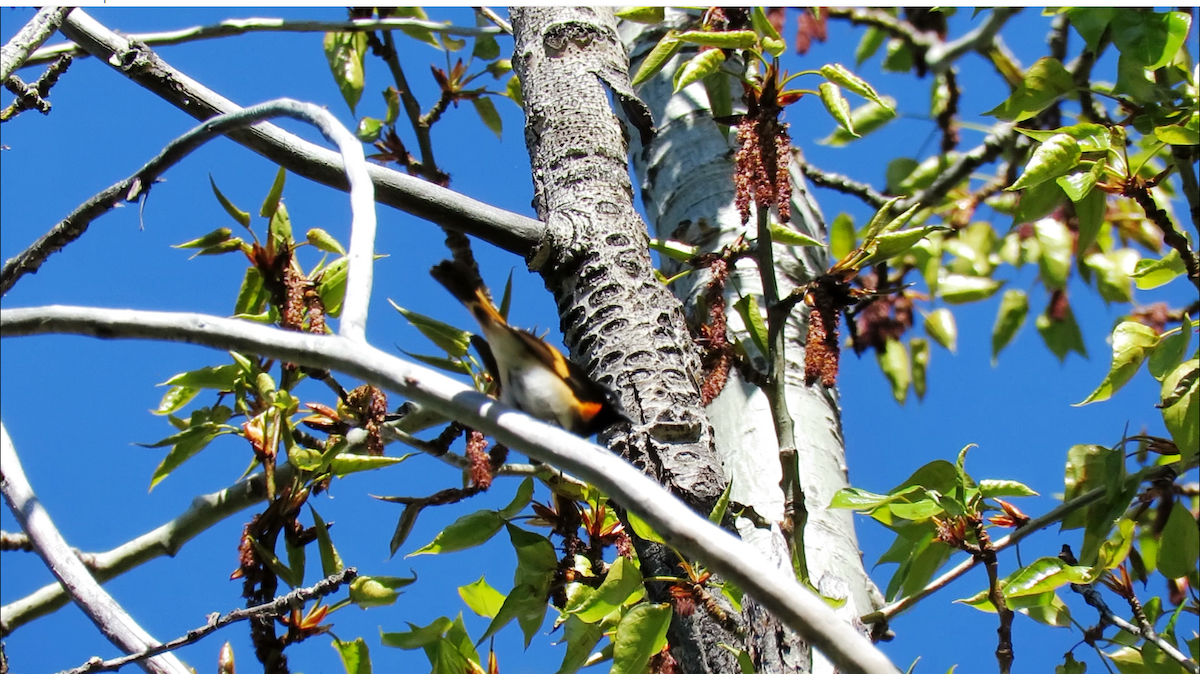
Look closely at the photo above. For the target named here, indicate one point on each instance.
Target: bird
(534, 377)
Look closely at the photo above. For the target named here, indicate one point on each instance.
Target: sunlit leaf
(1044, 82)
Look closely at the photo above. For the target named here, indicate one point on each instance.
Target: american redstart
(534, 377)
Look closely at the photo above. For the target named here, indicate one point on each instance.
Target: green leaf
(870, 43)
(992, 488)
(721, 39)
(643, 529)
(581, 639)
(1042, 575)
(1079, 184)
(391, 98)
(371, 591)
(641, 633)
(331, 561)
(513, 90)
(960, 289)
(658, 57)
(790, 237)
(323, 240)
(482, 598)
(675, 250)
(940, 325)
(838, 106)
(356, 657)
(1149, 273)
(1113, 272)
(700, 66)
(467, 531)
(220, 235)
(486, 109)
(1054, 262)
(1091, 137)
(1178, 134)
(417, 637)
(520, 499)
(404, 525)
(332, 286)
(175, 398)
(1051, 159)
(447, 337)
(251, 296)
(368, 129)
(346, 463)
(621, 581)
(863, 119)
(521, 600)
(1149, 38)
(280, 228)
(486, 48)
(763, 25)
(345, 53)
(1014, 307)
(720, 96)
(920, 365)
(899, 58)
(188, 444)
(747, 308)
(841, 76)
(1044, 82)
(242, 217)
(718, 512)
(221, 378)
(1089, 467)
(1061, 336)
(1090, 23)
(841, 236)
(1038, 202)
(1181, 408)
(1180, 543)
(1170, 351)
(417, 32)
(1070, 665)
(650, 15)
(896, 367)
(892, 244)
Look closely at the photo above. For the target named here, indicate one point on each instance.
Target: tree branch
(293, 600)
(232, 27)
(510, 231)
(1034, 525)
(1092, 596)
(942, 55)
(692, 534)
(985, 152)
(841, 183)
(112, 620)
(362, 233)
(15, 52)
(168, 539)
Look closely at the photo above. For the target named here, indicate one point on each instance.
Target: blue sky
(74, 406)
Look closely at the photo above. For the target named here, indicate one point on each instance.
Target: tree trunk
(621, 323)
(687, 189)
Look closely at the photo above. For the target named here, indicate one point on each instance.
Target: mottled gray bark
(621, 323)
(686, 178)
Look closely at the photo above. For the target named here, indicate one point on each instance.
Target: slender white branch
(15, 52)
(231, 27)
(943, 55)
(117, 625)
(692, 534)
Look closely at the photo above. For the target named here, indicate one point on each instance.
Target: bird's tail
(468, 288)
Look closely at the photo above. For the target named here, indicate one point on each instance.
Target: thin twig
(167, 539)
(882, 20)
(495, 18)
(232, 27)
(1092, 596)
(33, 95)
(989, 149)
(112, 620)
(412, 107)
(15, 52)
(943, 55)
(510, 231)
(293, 600)
(841, 183)
(987, 556)
(362, 235)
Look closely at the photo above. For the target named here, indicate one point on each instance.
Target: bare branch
(279, 606)
(942, 55)
(495, 18)
(112, 620)
(841, 183)
(362, 234)
(168, 539)
(510, 231)
(679, 525)
(15, 52)
(232, 27)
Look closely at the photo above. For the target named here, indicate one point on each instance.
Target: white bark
(688, 194)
